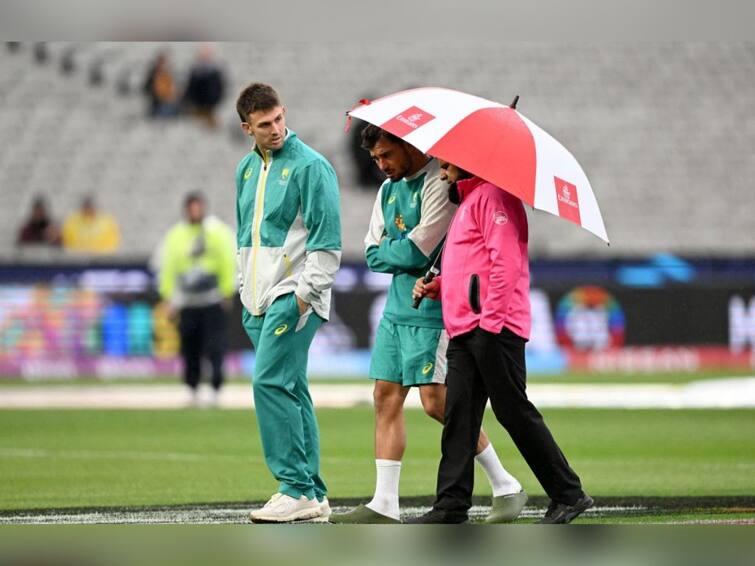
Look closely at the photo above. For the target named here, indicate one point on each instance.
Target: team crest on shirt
(284, 177)
(399, 222)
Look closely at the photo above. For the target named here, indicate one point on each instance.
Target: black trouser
(483, 365)
(203, 331)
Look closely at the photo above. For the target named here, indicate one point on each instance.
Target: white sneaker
(283, 508)
(267, 505)
(192, 398)
(325, 512)
(214, 401)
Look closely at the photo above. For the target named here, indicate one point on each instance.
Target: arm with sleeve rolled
(320, 210)
(413, 252)
(502, 242)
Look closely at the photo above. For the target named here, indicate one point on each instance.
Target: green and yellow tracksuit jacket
(289, 226)
(409, 220)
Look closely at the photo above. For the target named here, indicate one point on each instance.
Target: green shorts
(409, 355)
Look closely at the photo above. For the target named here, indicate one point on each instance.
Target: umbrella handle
(429, 276)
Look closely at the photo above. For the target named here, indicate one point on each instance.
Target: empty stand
(665, 132)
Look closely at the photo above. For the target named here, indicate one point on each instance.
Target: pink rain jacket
(487, 238)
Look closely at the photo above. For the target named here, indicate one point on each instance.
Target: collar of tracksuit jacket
(272, 238)
(267, 155)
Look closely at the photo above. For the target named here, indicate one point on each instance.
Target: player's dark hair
(257, 96)
(194, 196)
(39, 200)
(371, 134)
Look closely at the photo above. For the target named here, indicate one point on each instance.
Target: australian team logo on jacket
(283, 180)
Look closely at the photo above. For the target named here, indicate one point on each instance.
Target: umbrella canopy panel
(494, 142)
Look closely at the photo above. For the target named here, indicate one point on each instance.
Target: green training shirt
(409, 219)
(289, 226)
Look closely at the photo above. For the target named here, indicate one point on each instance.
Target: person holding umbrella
(410, 217)
(486, 312)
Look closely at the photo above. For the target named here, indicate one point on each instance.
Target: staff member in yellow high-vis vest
(197, 279)
(289, 240)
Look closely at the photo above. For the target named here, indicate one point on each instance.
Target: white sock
(502, 482)
(385, 500)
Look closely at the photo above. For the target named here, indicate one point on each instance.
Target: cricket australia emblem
(399, 222)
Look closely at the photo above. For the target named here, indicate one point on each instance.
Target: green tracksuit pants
(285, 414)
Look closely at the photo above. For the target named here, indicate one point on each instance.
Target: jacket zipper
(259, 209)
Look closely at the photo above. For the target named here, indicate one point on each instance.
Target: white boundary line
(31, 453)
(714, 393)
(239, 515)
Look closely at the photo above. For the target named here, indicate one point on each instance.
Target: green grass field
(112, 459)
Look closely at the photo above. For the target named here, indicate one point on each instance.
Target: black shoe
(439, 516)
(560, 513)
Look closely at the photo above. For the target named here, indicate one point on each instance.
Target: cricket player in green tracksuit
(289, 242)
(409, 220)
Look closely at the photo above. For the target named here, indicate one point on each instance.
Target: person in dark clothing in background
(40, 228)
(367, 173)
(160, 89)
(206, 86)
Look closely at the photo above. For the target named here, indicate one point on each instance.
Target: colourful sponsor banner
(589, 318)
(355, 363)
(660, 359)
(101, 367)
(105, 322)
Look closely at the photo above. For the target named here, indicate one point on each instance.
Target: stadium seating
(665, 132)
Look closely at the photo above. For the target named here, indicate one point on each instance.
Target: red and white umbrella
(494, 142)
